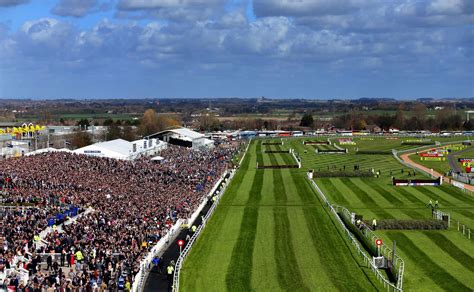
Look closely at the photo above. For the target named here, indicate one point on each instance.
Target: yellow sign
(23, 129)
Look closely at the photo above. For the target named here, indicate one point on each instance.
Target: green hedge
(375, 152)
(427, 224)
(343, 174)
(418, 143)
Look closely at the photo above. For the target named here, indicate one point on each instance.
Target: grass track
(297, 247)
(267, 235)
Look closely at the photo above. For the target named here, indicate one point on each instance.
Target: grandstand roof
(117, 148)
(184, 132)
(118, 145)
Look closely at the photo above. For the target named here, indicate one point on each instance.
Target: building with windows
(122, 149)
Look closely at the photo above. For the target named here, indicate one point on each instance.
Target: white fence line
(199, 229)
(298, 161)
(386, 283)
(187, 248)
(160, 246)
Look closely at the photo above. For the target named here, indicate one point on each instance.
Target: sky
(320, 49)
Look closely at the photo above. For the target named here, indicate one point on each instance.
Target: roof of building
(120, 146)
(185, 132)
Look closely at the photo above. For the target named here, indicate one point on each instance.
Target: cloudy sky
(245, 48)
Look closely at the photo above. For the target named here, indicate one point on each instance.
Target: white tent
(46, 150)
(121, 149)
(118, 149)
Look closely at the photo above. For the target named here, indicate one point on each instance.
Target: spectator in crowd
(131, 202)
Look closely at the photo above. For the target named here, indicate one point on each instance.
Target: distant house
(373, 128)
(393, 130)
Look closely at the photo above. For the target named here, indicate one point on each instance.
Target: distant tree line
(418, 119)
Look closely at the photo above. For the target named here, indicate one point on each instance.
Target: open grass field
(435, 260)
(443, 166)
(271, 233)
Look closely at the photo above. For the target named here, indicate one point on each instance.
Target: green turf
(267, 235)
(271, 233)
(434, 259)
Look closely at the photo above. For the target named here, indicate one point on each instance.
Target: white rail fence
(397, 262)
(200, 228)
(187, 248)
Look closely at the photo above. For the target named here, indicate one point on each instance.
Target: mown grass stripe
(280, 196)
(450, 248)
(454, 193)
(385, 193)
(328, 185)
(341, 277)
(435, 196)
(366, 198)
(289, 276)
(321, 233)
(434, 271)
(409, 196)
(239, 274)
(258, 150)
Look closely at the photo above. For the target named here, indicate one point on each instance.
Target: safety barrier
(367, 259)
(296, 157)
(187, 248)
(440, 215)
(370, 239)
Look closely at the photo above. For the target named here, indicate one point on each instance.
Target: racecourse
(271, 233)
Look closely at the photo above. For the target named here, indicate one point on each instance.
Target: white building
(121, 149)
(184, 137)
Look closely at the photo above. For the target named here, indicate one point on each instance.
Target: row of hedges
(375, 152)
(277, 151)
(343, 174)
(316, 143)
(272, 143)
(331, 151)
(278, 166)
(418, 143)
(427, 224)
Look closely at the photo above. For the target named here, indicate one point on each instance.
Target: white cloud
(5, 3)
(76, 8)
(157, 4)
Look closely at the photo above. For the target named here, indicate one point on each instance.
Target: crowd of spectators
(134, 204)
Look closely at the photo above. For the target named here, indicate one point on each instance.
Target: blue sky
(238, 48)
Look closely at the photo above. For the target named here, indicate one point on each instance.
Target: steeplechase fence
(397, 262)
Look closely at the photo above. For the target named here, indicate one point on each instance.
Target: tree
(128, 133)
(149, 123)
(113, 132)
(84, 124)
(81, 139)
(208, 122)
(307, 120)
(152, 122)
(108, 122)
(166, 122)
(399, 118)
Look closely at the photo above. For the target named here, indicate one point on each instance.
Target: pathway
(405, 157)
